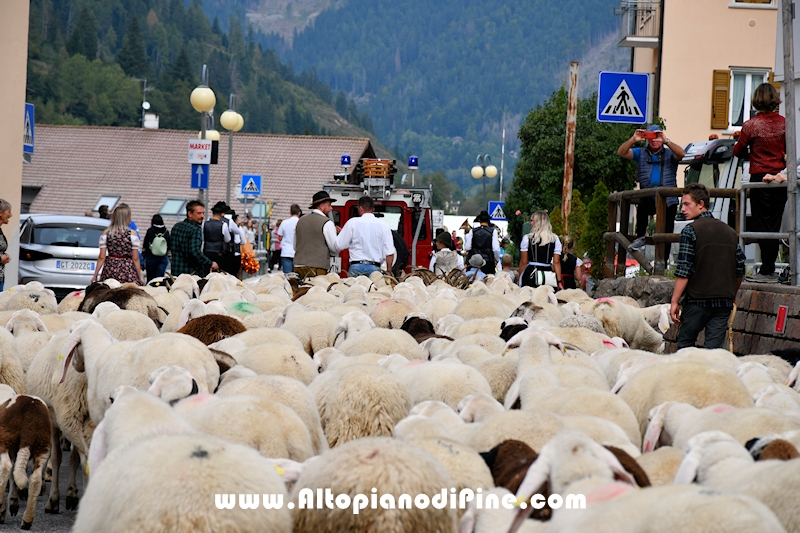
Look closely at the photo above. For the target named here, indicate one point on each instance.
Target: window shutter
(774, 83)
(720, 99)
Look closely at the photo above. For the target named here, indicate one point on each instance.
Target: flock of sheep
(177, 393)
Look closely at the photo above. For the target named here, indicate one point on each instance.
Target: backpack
(159, 245)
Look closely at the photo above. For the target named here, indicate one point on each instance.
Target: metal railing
(619, 204)
(752, 236)
(640, 19)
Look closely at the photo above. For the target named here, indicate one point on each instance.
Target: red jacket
(765, 134)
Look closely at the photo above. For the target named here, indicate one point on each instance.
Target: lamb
(70, 302)
(398, 468)
(358, 401)
(316, 330)
(483, 307)
(661, 464)
(90, 348)
(621, 320)
(382, 341)
(657, 316)
(281, 359)
(490, 325)
(25, 436)
(674, 423)
(582, 321)
(290, 392)
(30, 335)
(38, 299)
(256, 336)
(447, 382)
(778, 399)
(716, 459)
(126, 297)
(574, 464)
(756, 376)
(121, 492)
(212, 328)
(270, 427)
(122, 324)
(440, 306)
(11, 372)
(391, 313)
(694, 382)
(172, 383)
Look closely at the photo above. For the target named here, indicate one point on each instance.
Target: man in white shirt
(286, 238)
(368, 240)
(315, 238)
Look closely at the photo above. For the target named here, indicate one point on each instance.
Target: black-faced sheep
(131, 298)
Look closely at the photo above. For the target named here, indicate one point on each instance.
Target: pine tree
(84, 37)
(132, 56)
(181, 70)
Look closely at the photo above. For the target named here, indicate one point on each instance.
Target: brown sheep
(126, 297)
(211, 328)
(421, 329)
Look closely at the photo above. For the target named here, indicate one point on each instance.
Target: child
(507, 263)
(571, 265)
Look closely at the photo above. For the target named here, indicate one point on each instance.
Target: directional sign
(199, 176)
(622, 97)
(27, 135)
(199, 151)
(496, 210)
(251, 184)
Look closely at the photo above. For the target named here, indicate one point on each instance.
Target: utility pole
(569, 150)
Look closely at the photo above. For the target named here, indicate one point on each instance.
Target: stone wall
(647, 290)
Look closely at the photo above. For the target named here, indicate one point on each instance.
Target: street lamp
(231, 121)
(203, 100)
(484, 169)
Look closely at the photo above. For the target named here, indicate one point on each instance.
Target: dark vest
(669, 169)
(213, 241)
(482, 243)
(714, 273)
(541, 253)
(310, 248)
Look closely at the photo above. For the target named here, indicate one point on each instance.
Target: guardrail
(619, 204)
(751, 236)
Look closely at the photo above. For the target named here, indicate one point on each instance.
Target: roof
(76, 165)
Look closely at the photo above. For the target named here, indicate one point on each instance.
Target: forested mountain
(440, 77)
(91, 60)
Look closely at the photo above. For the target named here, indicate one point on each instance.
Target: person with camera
(657, 166)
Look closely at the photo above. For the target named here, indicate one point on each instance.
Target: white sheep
(622, 320)
(282, 359)
(290, 392)
(382, 341)
(756, 376)
(717, 460)
(11, 372)
(392, 313)
(124, 325)
(30, 334)
(447, 382)
(350, 324)
(270, 427)
(195, 472)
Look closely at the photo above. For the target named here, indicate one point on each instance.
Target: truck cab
(406, 210)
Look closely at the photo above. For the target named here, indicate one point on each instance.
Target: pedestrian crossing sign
(251, 184)
(496, 210)
(623, 97)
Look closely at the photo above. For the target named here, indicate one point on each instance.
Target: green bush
(596, 224)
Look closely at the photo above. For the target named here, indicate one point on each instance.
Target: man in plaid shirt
(710, 271)
(187, 243)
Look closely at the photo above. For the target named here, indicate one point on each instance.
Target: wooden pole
(569, 150)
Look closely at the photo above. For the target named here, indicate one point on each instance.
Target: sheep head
(172, 383)
(704, 450)
(81, 331)
(25, 317)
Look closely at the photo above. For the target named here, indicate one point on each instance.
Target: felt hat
(320, 197)
(220, 207)
(483, 216)
(477, 261)
(445, 239)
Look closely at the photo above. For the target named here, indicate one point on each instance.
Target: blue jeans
(155, 266)
(362, 269)
(287, 264)
(696, 317)
(2, 284)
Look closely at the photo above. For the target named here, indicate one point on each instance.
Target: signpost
(28, 134)
(623, 97)
(199, 176)
(496, 210)
(251, 185)
(199, 151)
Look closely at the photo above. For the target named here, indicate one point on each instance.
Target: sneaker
(784, 276)
(637, 244)
(763, 278)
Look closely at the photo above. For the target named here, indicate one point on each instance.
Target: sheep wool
(382, 341)
(392, 467)
(191, 470)
(359, 401)
(281, 359)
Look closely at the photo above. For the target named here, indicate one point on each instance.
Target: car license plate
(75, 265)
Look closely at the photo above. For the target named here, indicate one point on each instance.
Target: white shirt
(495, 242)
(523, 247)
(329, 232)
(135, 241)
(286, 233)
(433, 262)
(367, 239)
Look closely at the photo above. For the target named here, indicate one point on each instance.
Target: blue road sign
(251, 184)
(199, 176)
(27, 135)
(496, 210)
(622, 97)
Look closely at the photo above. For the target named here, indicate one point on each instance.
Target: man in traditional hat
(315, 238)
(476, 265)
(216, 234)
(483, 241)
(657, 166)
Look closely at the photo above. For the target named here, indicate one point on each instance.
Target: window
(67, 234)
(732, 93)
(173, 207)
(110, 201)
(737, 3)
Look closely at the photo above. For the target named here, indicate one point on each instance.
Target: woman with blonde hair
(540, 254)
(119, 250)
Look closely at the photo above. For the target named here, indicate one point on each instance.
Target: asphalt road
(50, 523)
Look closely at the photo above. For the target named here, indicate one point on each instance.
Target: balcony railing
(640, 23)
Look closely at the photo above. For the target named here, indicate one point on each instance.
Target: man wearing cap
(216, 234)
(445, 259)
(315, 238)
(367, 239)
(483, 241)
(476, 265)
(657, 166)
